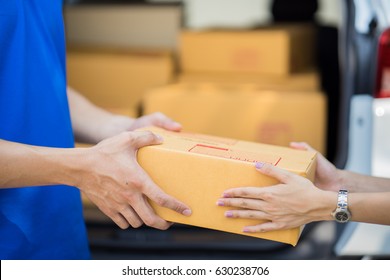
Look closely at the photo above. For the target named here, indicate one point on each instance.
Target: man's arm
(107, 173)
(91, 124)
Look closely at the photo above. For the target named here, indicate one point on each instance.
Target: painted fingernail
(259, 165)
(159, 138)
(229, 214)
(226, 195)
(220, 203)
(246, 230)
(187, 212)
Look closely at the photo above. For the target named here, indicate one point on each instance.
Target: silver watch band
(342, 201)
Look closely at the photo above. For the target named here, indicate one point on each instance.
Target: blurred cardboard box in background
(201, 14)
(197, 169)
(308, 80)
(126, 26)
(117, 78)
(244, 112)
(277, 50)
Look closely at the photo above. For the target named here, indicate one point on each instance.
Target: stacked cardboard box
(279, 50)
(308, 80)
(125, 26)
(244, 112)
(117, 78)
(256, 85)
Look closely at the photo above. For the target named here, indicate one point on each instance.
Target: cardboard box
(244, 112)
(127, 26)
(201, 14)
(117, 78)
(304, 81)
(279, 50)
(197, 169)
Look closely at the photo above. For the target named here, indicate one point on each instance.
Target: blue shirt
(37, 222)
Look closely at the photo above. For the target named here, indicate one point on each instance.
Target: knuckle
(123, 225)
(267, 169)
(161, 200)
(268, 196)
(243, 203)
(164, 226)
(251, 215)
(243, 192)
(285, 177)
(131, 197)
(269, 209)
(158, 115)
(129, 136)
(136, 224)
(150, 137)
(150, 221)
(120, 221)
(134, 183)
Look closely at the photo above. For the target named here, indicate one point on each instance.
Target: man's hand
(114, 181)
(156, 119)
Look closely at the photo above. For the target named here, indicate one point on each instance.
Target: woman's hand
(327, 176)
(293, 202)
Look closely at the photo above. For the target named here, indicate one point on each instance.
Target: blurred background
(279, 57)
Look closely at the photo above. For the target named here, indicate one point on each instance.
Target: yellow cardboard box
(197, 169)
(244, 112)
(117, 78)
(277, 50)
(305, 81)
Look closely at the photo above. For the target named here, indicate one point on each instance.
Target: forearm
(355, 182)
(370, 207)
(25, 165)
(90, 123)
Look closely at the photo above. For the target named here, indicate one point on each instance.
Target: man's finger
(154, 193)
(148, 216)
(145, 138)
(161, 120)
(132, 217)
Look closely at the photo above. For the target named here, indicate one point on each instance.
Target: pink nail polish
(226, 195)
(229, 214)
(220, 203)
(160, 138)
(259, 165)
(246, 230)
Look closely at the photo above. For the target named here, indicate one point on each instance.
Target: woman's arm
(296, 201)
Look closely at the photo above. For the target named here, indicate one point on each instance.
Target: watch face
(342, 216)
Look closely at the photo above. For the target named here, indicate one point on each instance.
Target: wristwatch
(341, 213)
